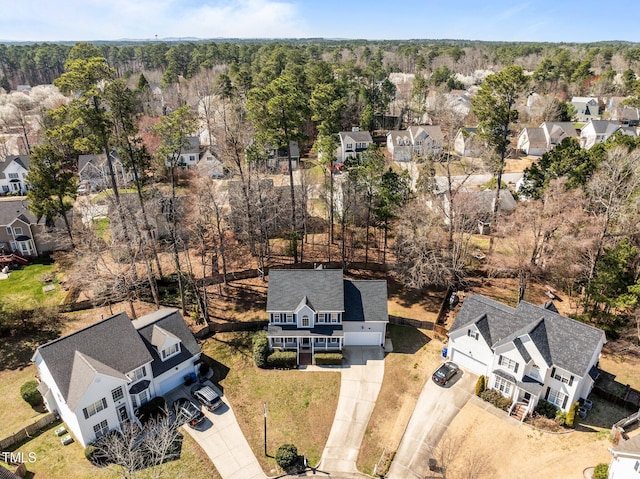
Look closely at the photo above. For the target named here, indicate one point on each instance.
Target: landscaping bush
(282, 359)
(496, 398)
(260, 349)
(29, 392)
(328, 359)
(572, 415)
(153, 409)
(545, 408)
(481, 385)
(561, 417)
(287, 456)
(601, 471)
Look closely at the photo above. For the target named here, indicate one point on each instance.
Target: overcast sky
(536, 20)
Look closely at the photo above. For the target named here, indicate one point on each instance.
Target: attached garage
(467, 362)
(363, 339)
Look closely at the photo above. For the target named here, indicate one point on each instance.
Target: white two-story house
(13, 175)
(352, 144)
(320, 310)
(95, 378)
(528, 353)
(418, 141)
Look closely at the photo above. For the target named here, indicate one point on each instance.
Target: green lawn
(10, 400)
(24, 286)
(300, 404)
(55, 461)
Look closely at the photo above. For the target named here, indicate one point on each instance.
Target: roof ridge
(83, 329)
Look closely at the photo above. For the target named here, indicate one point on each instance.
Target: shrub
(496, 398)
(328, 359)
(481, 385)
(29, 392)
(282, 359)
(287, 456)
(545, 408)
(561, 417)
(153, 409)
(601, 471)
(572, 415)
(260, 349)
(91, 453)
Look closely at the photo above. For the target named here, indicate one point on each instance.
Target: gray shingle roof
(22, 160)
(536, 136)
(11, 208)
(365, 300)
(113, 342)
(562, 341)
(357, 136)
(291, 331)
(171, 321)
(322, 288)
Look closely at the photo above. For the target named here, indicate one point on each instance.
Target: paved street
(434, 411)
(359, 388)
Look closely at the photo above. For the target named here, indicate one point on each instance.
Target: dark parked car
(187, 412)
(206, 396)
(444, 373)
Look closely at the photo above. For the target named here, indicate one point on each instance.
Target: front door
(122, 413)
(306, 343)
(527, 397)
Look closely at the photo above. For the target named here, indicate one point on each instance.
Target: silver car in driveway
(206, 396)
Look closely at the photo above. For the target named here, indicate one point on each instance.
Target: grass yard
(484, 441)
(21, 413)
(300, 404)
(414, 358)
(55, 461)
(24, 286)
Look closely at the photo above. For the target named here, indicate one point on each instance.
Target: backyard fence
(213, 328)
(27, 432)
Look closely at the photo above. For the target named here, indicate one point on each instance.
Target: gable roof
(12, 208)
(22, 160)
(563, 342)
(628, 447)
(168, 322)
(365, 300)
(558, 130)
(322, 288)
(536, 137)
(433, 131)
(356, 136)
(111, 343)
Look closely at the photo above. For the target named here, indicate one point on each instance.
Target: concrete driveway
(360, 384)
(434, 411)
(221, 438)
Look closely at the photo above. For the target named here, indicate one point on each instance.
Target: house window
(508, 363)
(139, 399)
(9, 227)
(502, 385)
(637, 466)
(289, 318)
(557, 398)
(94, 408)
(305, 321)
(138, 374)
(5, 188)
(170, 351)
(334, 341)
(17, 230)
(101, 428)
(117, 394)
(192, 158)
(290, 341)
(322, 318)
(14, 176)
(561, 377)
(349, 146)
(334, 317)
(473, 334)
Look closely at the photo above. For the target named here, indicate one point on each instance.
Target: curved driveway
(360, 384)
(434, 411)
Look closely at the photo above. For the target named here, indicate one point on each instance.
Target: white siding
(366, 333)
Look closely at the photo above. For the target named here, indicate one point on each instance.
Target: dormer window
(170, 351)
(305, 321)
(473, 334)
(138, 374)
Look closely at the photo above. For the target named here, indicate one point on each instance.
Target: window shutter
(553, 372)
(500, 360)
(571, 381)
(546, 395)
(144, 371)
(516, 368)
(564, 402)
(104, 403)
(86, 414)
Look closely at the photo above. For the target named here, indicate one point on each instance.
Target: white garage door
(467, 362)
(171, 383)
(362, 339)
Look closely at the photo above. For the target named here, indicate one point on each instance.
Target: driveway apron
(222, 439)
(434, 411)
(361, 379)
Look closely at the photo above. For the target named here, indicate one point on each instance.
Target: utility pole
(265, 429)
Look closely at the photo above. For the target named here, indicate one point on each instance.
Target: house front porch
(305, 342)
(525, 393)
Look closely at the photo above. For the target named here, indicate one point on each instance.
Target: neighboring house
(625, 460)
(587, 108)
(278, 159)
(556, 131)
(528, 352)
(95, 378)
(467, 143)
(189, 153)
(210, 164)
(22, 232)
(320, 310)
(352, 144)
(399, 145)
(532, 141)
(598, 131)
(93, 171)
(13, 175)
(629, 116)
